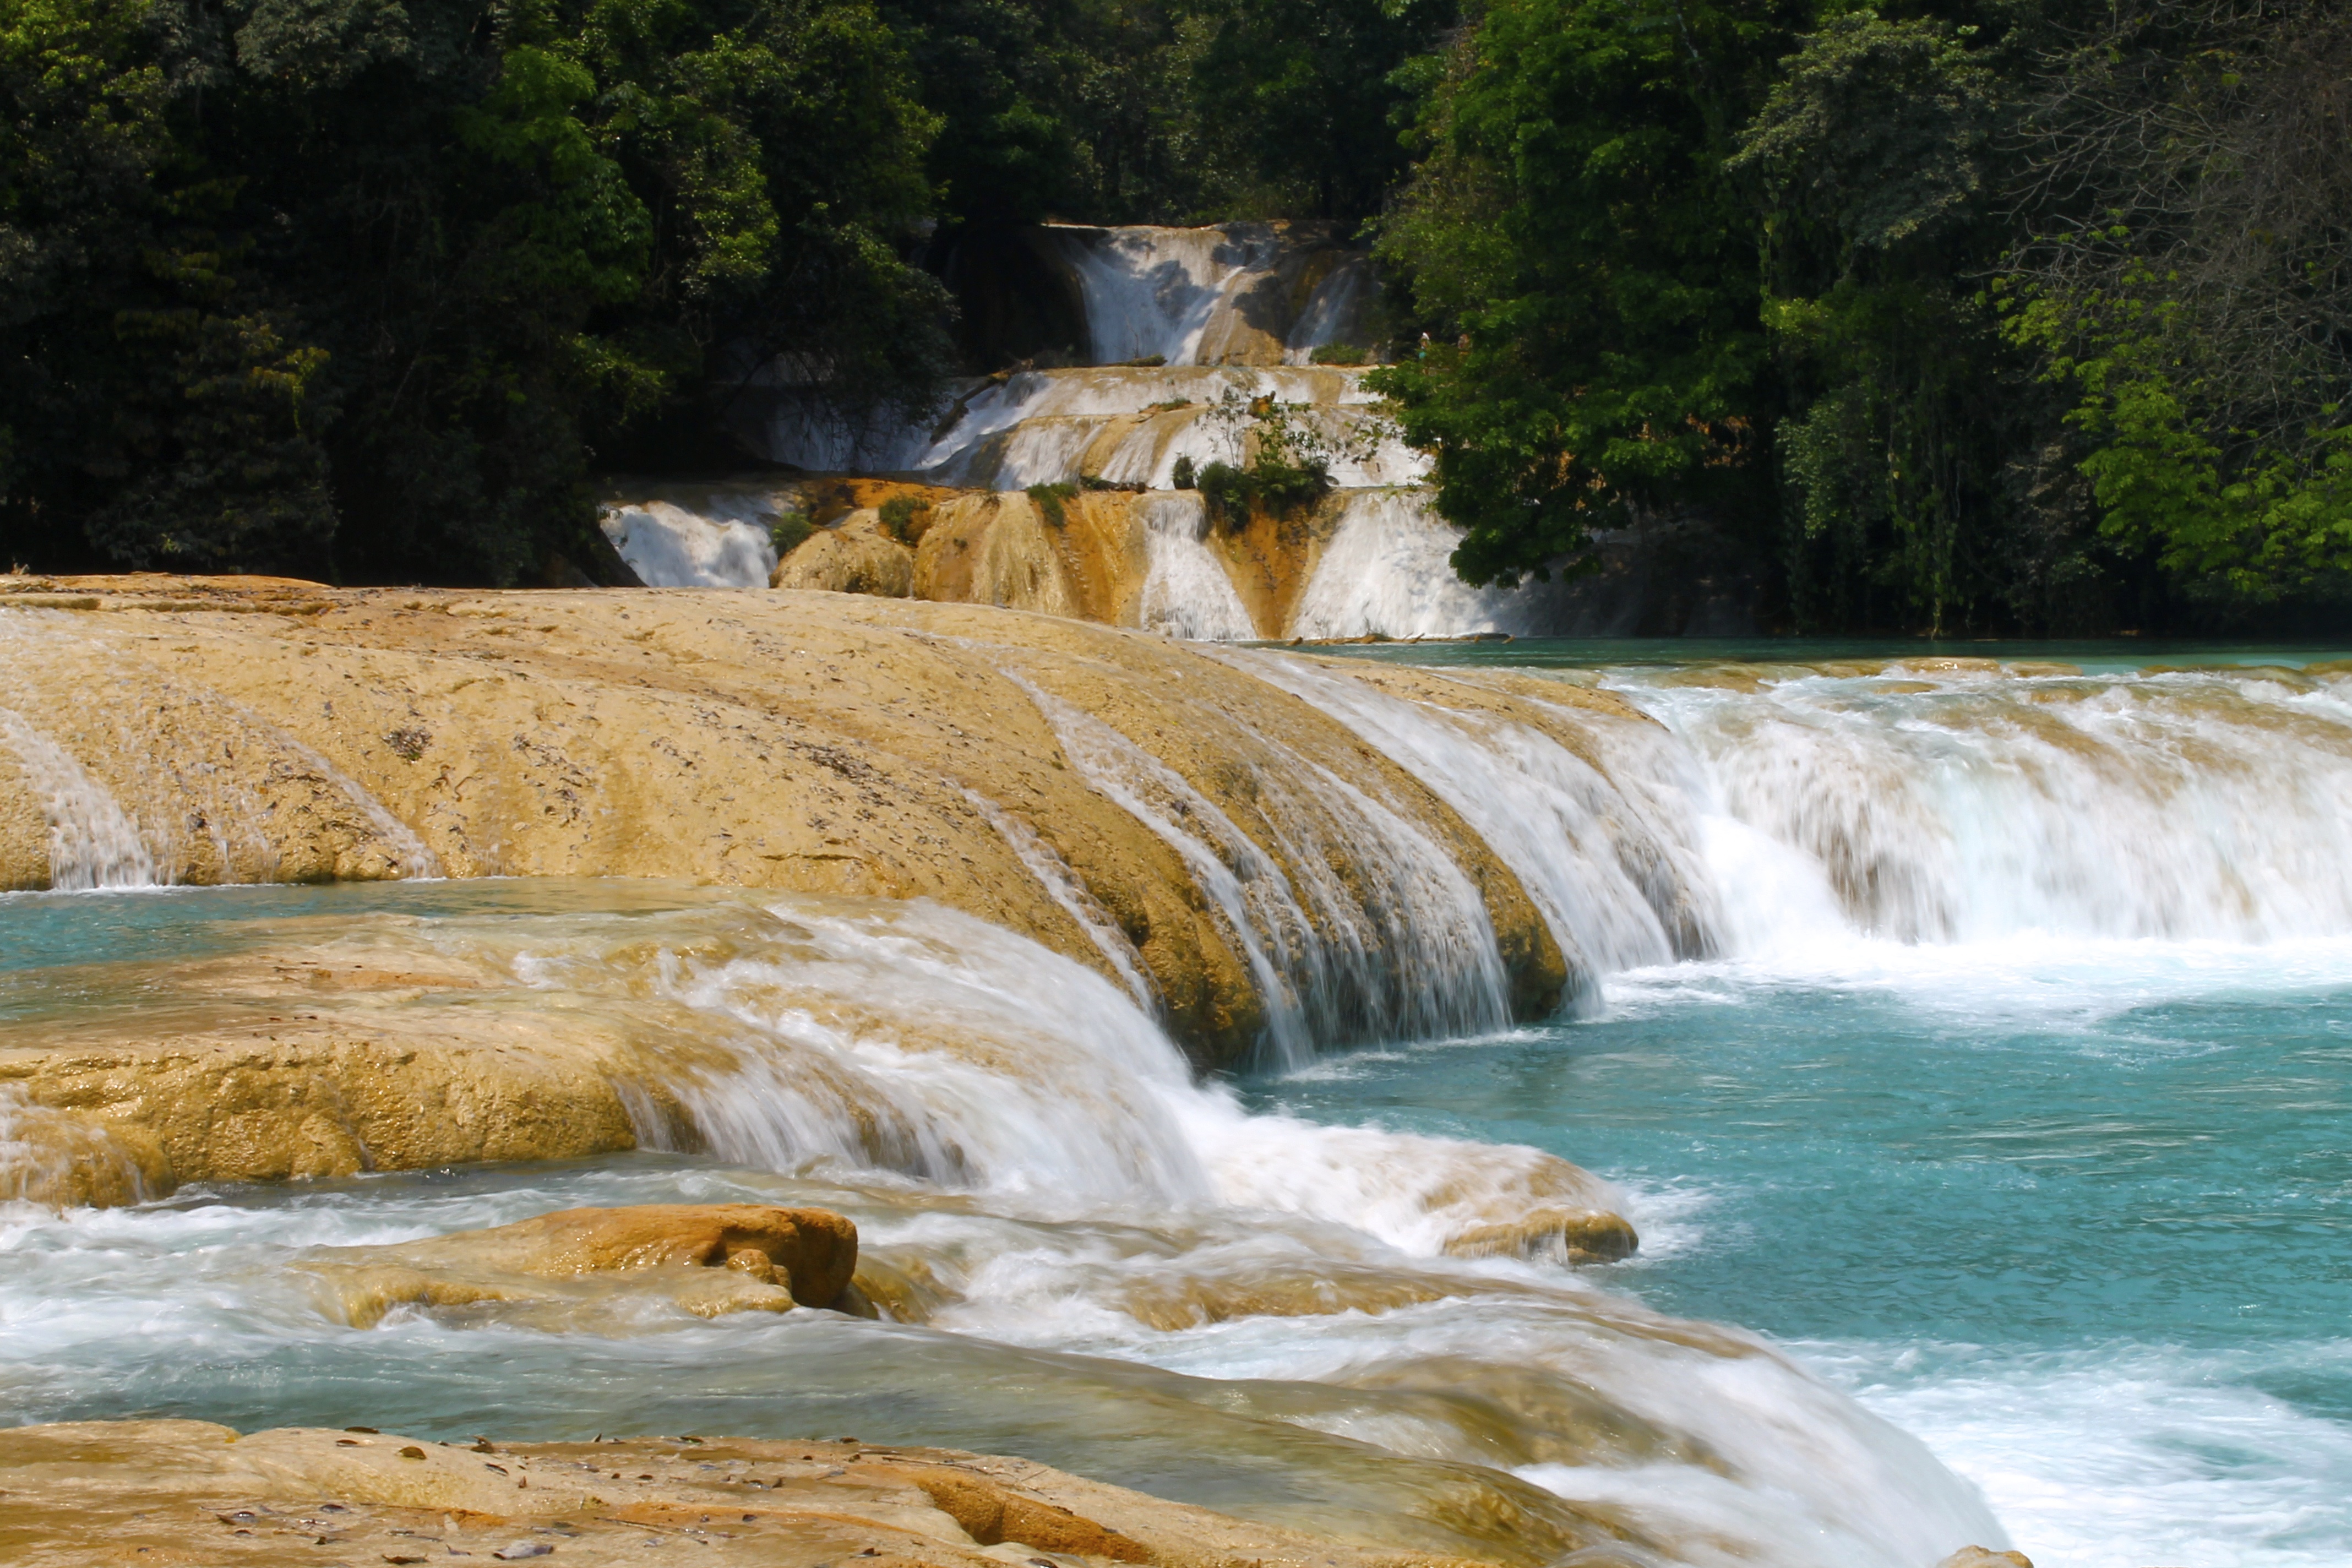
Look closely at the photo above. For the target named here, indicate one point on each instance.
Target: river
(1984, 1067)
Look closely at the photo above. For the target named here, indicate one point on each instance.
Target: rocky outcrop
(855, 557)
(168, 1493)
(708, 1260)
(820, 742)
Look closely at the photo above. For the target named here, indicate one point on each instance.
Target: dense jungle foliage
(1966, 315)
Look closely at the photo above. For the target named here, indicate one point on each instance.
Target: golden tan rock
(1985, 1557)
(993, 1515)
(186, 1494)
(212, 1091)
(854, 557)
(820, 742)
(1578, 1236)
(996, 549)
(712, 1260)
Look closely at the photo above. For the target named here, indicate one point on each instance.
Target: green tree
(1586, 271)
(370, 288)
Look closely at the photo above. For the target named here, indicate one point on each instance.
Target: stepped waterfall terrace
(1971, 1030)
(1171, 351)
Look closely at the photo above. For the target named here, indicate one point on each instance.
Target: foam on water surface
(1975, 1039)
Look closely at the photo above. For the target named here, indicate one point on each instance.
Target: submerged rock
(1579, 1235)
(109, 1492)
(709, 1260)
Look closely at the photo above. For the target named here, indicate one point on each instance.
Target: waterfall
(93, 843)
(1955, 805)
(1617, 874)
(1387, 572)
(1335, 312)
(1155, 292)
(1403, 950)
(718, 540)
(1011, 1124)
(1078, 901)
(1186, 592)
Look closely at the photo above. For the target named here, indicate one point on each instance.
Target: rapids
(1970, 1035)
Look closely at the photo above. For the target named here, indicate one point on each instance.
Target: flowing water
(1975, 1040)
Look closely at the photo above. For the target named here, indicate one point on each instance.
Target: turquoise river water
(2000, 1103)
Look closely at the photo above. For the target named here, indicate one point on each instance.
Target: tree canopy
(1963, 315)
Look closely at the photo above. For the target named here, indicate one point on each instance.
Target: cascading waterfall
(1012, 1132)
(1186, 593)
(711, 538)
(1022, 1143)
(1617, 875)
(1387, 571)
(1053, 874)
(1152, 292)
(1403, 952)
(1933, 805)
(92, 844)
(1180, 294)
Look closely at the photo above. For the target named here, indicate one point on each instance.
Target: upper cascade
(1135, 359)
(1241, 293)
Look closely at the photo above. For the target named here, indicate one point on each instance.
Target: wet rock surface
(584, 1264)
(820, 742)
(179, 1494)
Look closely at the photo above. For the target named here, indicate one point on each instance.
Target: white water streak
(1387, 571)
(1186, 592)
(1615, 877)
(2175, 805)
(92, 842)
(1078, 901)
(1406, 951)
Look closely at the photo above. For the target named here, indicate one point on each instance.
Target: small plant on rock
(1181, 475)
(904, 518)
(1050, 500)
(788, 531)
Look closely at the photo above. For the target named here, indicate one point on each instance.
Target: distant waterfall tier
(1239, 293)
(1144, 360)
(1122, 425)
(1366, 561)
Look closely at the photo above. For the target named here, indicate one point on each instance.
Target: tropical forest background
(2026, 316)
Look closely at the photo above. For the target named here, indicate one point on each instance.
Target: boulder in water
(1580, 1235)
(1985, 1557)
(710, 1259)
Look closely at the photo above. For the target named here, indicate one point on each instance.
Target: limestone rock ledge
(575, 1264)
(249, 729)
(177, 1494)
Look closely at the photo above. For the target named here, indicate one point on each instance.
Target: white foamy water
(1128, 424)
(93, 843)
(1387, 571)
(1614, 874)
(1011, 1120)
(1401, 950)
(2130, 1456)
(1185, 295)
(1962, 808)
(1186, 592)
(723, 544)
(1991, 853)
